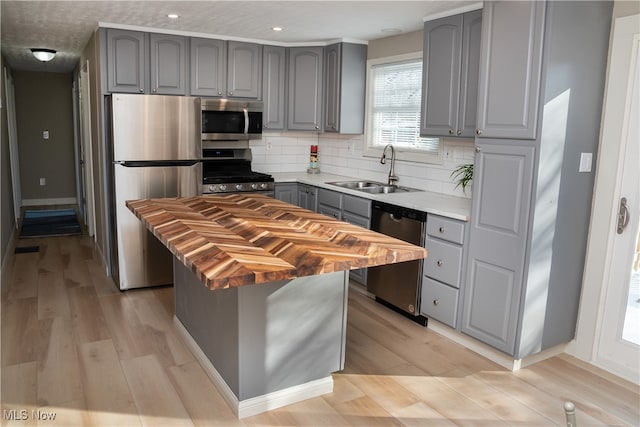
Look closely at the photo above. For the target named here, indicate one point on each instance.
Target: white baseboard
(259, 404)
(53, 201)
(491, 353)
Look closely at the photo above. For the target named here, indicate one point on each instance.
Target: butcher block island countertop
(244, 239)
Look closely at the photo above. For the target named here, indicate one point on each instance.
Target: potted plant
(463, 175)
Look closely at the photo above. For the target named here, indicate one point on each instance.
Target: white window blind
(396, 90)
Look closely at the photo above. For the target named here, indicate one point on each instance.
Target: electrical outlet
(45, 134)
(351, 148)
(268, 146)
(447, 154)
(43, 181)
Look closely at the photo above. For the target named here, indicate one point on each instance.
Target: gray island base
(269, 345)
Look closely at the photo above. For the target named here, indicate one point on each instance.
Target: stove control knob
(263, 185)
(212, 188)
(238, 186)
(254, 186)
(222, 187)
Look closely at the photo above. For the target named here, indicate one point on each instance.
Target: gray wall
(44, 102)
(395, 45)
(7, 218)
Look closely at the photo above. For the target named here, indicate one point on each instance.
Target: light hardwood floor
(76, 347)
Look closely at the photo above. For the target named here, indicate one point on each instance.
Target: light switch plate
(585, 162)
(45, 134)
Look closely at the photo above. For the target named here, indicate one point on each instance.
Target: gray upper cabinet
(273, 87)
(450, 75)
(497, 243)
(126, 61)
(168, 64)
(305, 88)
(244, 70)
(208, 67)
(226, 69)
(510, 69)
(344, 88)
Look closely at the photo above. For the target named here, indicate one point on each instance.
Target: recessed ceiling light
(173, 16)
(277, 28)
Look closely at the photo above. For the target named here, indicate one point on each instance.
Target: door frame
(607, 189)
(14, 159)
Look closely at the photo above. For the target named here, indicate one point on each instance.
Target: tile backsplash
(342, 155)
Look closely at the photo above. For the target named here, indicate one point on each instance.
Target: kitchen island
(261, 290)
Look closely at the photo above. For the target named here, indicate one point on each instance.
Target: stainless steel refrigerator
(154, 152)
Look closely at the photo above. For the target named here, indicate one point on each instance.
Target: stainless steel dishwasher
(398, 284)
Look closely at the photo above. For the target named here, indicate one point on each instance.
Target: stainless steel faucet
(392, 175)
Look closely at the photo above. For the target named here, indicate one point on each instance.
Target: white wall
(289, 152)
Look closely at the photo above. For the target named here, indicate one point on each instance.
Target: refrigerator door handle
(155, 163)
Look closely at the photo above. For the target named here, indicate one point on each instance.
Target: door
(510, 69)
(619, 338)
(441, 76)
(142, 259)
(502, 186)
(273, 92)
(244, 70)
(305, 88)
(86, 156)
(168, 64)
(126, 59)
(208, 67)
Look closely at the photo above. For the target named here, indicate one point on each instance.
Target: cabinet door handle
(231, 93)
(155, 90)
(219, 93)
(441, 230)
(436, 301)
(478, 149)
(317, 127)
(439, 263)
(478, 132)
(459, 132)
(450, 131)
(141, 90)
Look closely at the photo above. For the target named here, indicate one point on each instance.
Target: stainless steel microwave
(230, 119)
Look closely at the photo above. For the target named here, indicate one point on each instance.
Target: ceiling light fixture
(173, 16)
(43, 55)
(277, 28)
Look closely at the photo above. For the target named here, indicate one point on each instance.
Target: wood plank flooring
(75, 347)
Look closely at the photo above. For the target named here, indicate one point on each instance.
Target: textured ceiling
(66, 26)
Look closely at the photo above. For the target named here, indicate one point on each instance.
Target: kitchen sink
(372, 187)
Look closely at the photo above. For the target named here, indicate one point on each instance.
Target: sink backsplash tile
(289, 152)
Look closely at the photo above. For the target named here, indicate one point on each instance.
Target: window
(393, 110)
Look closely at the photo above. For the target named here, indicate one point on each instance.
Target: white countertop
(425, 201)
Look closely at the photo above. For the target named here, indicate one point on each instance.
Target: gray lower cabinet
(352, 209)
(344, 87)
(510, 69)
(443, 269)
(305, 88)
(168, 55)
(450, 75)
(531, 206)
(274, 62)
(126, 61)
(287, 192)
(308, 197)
(497, 243)
(208, 67)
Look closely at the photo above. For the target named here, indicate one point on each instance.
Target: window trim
(402, 153)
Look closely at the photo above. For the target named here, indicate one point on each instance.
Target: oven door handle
(246, 121)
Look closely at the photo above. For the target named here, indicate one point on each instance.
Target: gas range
(228, 170)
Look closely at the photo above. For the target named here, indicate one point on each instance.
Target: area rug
(48, 223)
